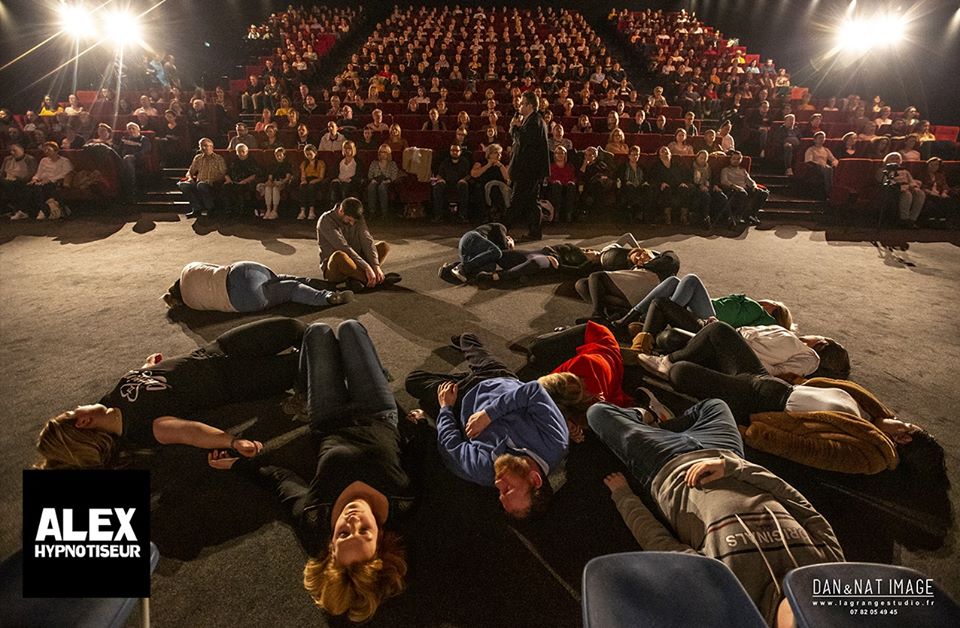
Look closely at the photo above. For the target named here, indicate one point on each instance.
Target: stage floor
(79, 304)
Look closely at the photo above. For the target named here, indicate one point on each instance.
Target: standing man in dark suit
(530, 164)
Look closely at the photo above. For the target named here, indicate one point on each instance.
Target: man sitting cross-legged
(348, 253)
(713, 501)
(493, 429)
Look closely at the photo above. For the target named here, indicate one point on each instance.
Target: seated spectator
(562, 185)
(333, 139)
(347, 181)
(878, 149)
(746, 197)
(660, 125)
(491, 181)
(383, 172)
(48, 108)
(868, 132)
(556, 139)
(901, 190)
(395, 140)
(244, 287)
(43, 188)
(821, 161)
(293, 118)
(266, 119)
(672, 185)
(303, 136)
(135, 147)
(172, 137)
(348, 253)
(309, 107)
(146, 107)
(198, 119)
(272, 139)
(726, 140)
(73, 107)
(17, 171)
(204, 176)
(635, 191)
(378, 125)
(583, 125)
(433, 122)
(640, 122)
(244, 137)
(240, 182)
(787, 138)
(613, 121)
(493, 429)
(312, 174)
(848, 147)
(942, 200)
(688, 124)
(251, 99)
(278, 177)
(883, 118)
(451, 182)
(711, 203)
(909, 150)
(104, 137)
(594, 179)
(813, 125)
(366, 143)
(679, 144)
(346, 120)
(617, 143)
(702, 459)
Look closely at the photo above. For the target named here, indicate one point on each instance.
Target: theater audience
(240, 182)
(43, 188)
(17, 171)
(278, 177)
(451, 183)
(746, 197)
(347, 181)
(312, 183)
(821, 162)
(204, 176)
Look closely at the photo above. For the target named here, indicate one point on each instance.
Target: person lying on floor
(348, 253)
(612, 293)
(737, 310)
(244, 287)
(719, 363)
(487, 255)
(594, 373)
(151, 405)
(493, 429)
(368, 478)
(713, 501)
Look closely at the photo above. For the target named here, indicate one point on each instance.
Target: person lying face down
(493, 429)
(152, 405)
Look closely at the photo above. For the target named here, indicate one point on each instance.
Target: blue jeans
(202, 196)
(378, 197)
(343, 376)
(688, 292)
(253, 287)
(477, 253)
(645, 449)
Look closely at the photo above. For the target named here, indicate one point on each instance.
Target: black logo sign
(86, 533)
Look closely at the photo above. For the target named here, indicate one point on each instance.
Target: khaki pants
(341, 267)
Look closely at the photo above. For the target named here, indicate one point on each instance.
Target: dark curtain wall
(206, 37)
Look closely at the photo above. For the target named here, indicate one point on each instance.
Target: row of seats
(855, 180)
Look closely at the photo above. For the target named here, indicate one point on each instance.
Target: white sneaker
(19, 216)
(656, 406)
(54, 209)
(302, 215)
(41, 215)
(656, 365)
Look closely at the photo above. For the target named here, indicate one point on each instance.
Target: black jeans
(663, 312)
(423, 386)
(718, 363)
(252, 368)
(549, 351)
(602, 293)
(524, 207)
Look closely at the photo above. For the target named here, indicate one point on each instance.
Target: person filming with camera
(899, 184)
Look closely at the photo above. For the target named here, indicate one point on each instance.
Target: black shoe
(341, 297)
(390, 279)
(753, 220)
(193, 213)
(355, 285)
(455, 342)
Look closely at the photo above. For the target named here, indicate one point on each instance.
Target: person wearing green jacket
(737, 310)
(713, 501)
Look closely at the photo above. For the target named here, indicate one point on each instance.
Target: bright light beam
(76, 21)
(122, 28)
(859, 35)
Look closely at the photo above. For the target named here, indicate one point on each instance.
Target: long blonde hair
(781, 313)
(62, 444)
(567, 390)
(357, 590)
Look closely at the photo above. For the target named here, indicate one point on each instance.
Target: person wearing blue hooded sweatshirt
(493, 429)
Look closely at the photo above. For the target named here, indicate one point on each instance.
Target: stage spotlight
(75, 20)
(860, 35)
(122, 28)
